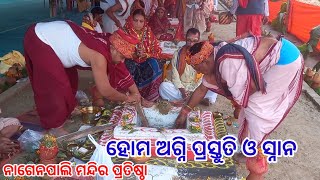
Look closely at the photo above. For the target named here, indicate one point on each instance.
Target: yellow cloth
(85, 25)
(189, 80)
(10, 59)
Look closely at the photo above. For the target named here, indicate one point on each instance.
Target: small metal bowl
(89, 114)
(71, 148)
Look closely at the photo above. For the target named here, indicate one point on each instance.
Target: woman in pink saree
(160, 24)
(262, 75)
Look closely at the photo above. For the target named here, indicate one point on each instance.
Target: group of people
(146, 64)
(262, 76)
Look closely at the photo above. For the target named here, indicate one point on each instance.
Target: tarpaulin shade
(274, 9)
(302, 18)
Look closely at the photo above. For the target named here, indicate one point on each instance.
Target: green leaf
(62, 155)
(132, 131)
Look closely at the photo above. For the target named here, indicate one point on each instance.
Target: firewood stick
(142, 116)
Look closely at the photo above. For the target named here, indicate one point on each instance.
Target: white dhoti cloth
(169, 92)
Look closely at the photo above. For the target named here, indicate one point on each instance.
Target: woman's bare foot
(146, 103)
(239, 158)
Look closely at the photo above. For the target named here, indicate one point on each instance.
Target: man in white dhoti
(116, 13)
(184, 79)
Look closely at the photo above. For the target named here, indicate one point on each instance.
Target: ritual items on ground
(312, 78)
(219, 126)
(279, 23)
(194, 122)
(12, 68)
(8, 60)
(90, 114)
(310, 47)
(48, 150)
(164, 106)
(81, 150)
(162, 115)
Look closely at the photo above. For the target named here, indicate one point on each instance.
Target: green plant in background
(279, 23)
(304, 50)
(312, 43)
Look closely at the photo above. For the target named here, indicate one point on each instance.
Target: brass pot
(89, 114)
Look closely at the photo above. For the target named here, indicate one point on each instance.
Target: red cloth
(249, 23)
(243, 3)
(53, 85)
(148, 40)
(257, 165)
(119, 78)
(160, 26)
(302, 18)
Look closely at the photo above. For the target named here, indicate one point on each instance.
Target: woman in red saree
(170, 5)
(159, 24)
(52, 64)
(144, 66)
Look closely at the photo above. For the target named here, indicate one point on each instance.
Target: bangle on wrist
(190, 108)
(127, 97)
(184, 111)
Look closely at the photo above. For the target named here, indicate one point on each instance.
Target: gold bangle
(127, 97)
(191, 109)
